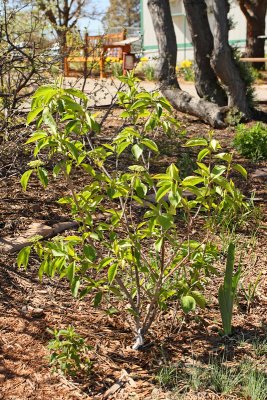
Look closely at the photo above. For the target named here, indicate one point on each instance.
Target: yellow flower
(177, 68)
(115, 59)
(144, 59)
(186, 64)
(108, 59)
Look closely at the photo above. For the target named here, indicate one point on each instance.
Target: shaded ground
(24, 368)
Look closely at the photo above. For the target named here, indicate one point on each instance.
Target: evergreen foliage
(122, 14)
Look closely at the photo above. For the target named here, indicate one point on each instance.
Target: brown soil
(24, 367)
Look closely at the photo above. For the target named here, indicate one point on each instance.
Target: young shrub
(137, 251)
(251, 142)
(69, 353)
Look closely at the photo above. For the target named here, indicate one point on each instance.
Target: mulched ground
(24, 368)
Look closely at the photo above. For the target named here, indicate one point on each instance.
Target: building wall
(237, 35)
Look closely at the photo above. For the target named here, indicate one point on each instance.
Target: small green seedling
(68, 352)
(251, 291)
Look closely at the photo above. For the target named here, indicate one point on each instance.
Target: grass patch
(244, 379)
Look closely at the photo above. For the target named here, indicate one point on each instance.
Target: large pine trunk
(182, 101)
(223, 61)
(255, 13)
(206, 81)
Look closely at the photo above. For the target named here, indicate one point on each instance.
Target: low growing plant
(147, 68)
(68, 352)
(254, 383)
(260, 346)
(181, 379)
(251, 141)
(142, 244)
(251, 291)
(223, 379)
(186, 70)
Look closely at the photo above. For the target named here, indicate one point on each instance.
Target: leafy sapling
(138, 255)
(68, 352)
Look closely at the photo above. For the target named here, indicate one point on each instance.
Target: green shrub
(116, 69)
(128, 257)
(68, 352)
(251, 142)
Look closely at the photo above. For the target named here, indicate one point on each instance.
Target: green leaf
(98, 299)
(77, 93)
(42, 175)
(25, 178)
(163, 190)
(112, 271)
(203, 153)
(141, 190)
(192, 180)
(137, 151)
(136, 168)
(161, 176)
(72, 149)
(175, 198)
(214, 144)
(165, 220)
(88, 168)
(23, 257)
(173, 171)
(49, 120)
(33, 114)
(75, 287)
(188, 304)
(150, 144)
(122, 146)
(240, 169)
(115, 291)
(158, 244)
(45, 91)
(36, 136)
(218, 170)
(89, 252)
(200, 299)
(196, 142)
(225, 156)
(144, 95)
(165, 104)
(138, 104)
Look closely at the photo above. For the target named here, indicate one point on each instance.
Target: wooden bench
(95, 49)
(252, 60)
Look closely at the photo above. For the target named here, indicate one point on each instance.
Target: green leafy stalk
(227, 291)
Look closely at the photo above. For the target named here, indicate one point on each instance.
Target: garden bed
(177, 344)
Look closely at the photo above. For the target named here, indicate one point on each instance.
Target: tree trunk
(162, 21)
(208, 112)
(206, 81)
(223, 61)
(255, 12)
(182, 101)
(62, 40)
